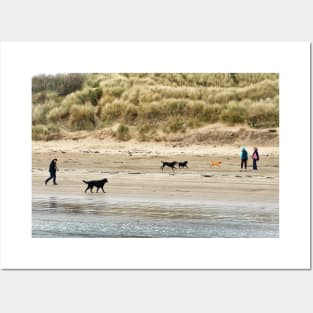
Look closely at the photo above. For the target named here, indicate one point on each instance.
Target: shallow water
(100, 215)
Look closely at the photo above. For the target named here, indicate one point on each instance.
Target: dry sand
(133, 170)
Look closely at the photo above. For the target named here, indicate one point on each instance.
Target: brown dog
(216, 163)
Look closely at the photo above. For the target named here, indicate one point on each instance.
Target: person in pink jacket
(255, 158)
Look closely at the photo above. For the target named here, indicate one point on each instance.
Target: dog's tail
(84, 181)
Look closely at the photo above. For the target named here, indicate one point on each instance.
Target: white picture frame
(21, 60)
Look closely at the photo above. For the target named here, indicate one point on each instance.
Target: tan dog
(216, 163)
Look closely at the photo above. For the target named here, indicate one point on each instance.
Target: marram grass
(150, 103)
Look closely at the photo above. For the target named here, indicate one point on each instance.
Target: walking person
(255, 158)
(244, 157)
(52, 169)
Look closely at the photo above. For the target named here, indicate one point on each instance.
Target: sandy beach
(134, 174)
(133, 168)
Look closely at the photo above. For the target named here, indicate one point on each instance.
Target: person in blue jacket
(52, 170)
(244, 157)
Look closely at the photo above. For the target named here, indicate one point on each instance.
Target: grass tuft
(122, 133)
(50, 132)
(82, 117)
(234, 113)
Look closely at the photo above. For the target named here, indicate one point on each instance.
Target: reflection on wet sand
(90, 216)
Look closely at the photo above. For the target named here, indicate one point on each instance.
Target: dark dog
(95, 183)
(169, 164)
(182, 164)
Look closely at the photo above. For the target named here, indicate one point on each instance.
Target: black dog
(182, 164)
(95, 183)
(169, 164)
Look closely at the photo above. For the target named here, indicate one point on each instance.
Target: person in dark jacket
(52, 170)
(255, 158)
(244, 157)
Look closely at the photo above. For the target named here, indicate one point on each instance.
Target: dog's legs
(102, 189)
(86, 188)
(98, 189)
